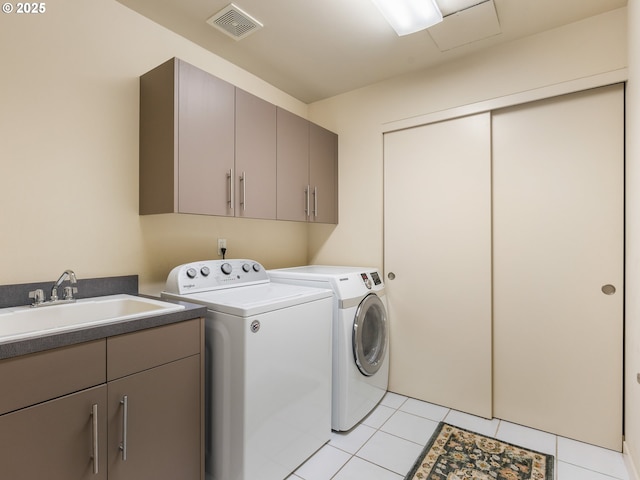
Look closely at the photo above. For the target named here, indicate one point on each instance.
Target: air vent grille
(234, 22)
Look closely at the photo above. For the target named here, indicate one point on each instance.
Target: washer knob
(226, 268)
(205, 271)
(246, 267)
(256, 267)
(191, 273)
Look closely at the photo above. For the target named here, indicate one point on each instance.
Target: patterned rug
(457, 454)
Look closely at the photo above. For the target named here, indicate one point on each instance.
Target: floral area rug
(457, 454)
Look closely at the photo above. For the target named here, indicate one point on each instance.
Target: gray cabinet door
(206, 111)
(187, 143)
(323, 174)
(163, 425)
(255, 163)
(55, 439)
(293, 166)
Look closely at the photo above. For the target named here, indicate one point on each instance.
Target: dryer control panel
(347, 282)
(367, 281)
(209, 275)
(371, 279)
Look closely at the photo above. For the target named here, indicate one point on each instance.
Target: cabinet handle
(306, 194)
(125, 419)
(94, 424)
(243, 183)
(315, 202)
(231, 182)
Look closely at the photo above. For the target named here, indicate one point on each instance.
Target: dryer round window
(370, 335)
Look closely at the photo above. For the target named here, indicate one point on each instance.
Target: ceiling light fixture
(409, 16)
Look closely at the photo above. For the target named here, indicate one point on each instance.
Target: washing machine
(360, 372)
(267, 367)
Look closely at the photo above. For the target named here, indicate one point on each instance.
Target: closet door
(558, 172)
(437, 247)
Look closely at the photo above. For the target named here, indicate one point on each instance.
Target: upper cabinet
(323, 174)
(206, 147)
(307, 170)
(293, 167)
(209, 148)
(255, 164)
(186, 141)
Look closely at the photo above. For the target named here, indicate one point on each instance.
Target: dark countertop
(55, 340)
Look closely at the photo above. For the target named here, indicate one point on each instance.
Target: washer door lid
(370, 335)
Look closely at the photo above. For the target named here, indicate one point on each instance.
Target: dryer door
(370, 334)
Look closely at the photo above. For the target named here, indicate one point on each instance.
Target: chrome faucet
(39, 299)
(68, 291)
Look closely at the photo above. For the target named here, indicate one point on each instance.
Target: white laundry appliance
(360, 336)
(268, 367)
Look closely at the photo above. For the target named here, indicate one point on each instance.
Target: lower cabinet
(58, 440)
(153, 416)
(139, 418)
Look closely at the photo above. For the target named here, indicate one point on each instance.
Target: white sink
(17, 323)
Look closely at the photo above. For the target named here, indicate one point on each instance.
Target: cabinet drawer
(137, 351)
(34, 378)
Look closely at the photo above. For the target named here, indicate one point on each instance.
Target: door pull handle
(315, 202)
(230, 199)
(608, 289)
(243, 183)
(125, 423)
(307, 194)
(94, 425)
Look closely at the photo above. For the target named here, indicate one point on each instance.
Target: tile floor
(386, 443)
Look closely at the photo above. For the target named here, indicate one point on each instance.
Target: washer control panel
(214, 275)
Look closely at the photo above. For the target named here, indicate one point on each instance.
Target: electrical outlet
(222, 243)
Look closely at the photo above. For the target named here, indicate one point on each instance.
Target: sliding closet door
(437, 255)
(558, 169)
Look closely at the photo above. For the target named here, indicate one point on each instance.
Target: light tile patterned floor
(385, 445)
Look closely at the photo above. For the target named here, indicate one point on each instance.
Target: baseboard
(630, 462)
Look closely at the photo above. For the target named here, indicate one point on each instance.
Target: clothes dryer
(267, 367)
(360, 372)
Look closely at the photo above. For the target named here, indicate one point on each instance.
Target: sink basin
(18, 323)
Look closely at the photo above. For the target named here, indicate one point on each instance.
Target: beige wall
(69, 152)
(576, 51)
(632, 292)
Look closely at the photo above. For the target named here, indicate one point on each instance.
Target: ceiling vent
(234, 22)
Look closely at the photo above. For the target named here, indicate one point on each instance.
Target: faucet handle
(37, 296)
(68, 292)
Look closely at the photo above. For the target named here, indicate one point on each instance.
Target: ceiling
(315, 49)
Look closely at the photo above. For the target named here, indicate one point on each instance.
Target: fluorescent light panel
(409, 16)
